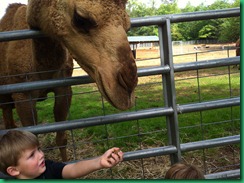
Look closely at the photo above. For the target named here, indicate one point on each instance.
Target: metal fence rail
(138, 22)
(77, 80)
(232, 174)
(186, 17)
(167, 70)
(128, 116)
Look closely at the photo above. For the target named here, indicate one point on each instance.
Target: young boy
(22, 158)
(184, 171)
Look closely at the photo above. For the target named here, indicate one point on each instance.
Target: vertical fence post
(166, 56)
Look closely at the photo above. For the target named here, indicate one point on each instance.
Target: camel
(93, 32)
(238, 47)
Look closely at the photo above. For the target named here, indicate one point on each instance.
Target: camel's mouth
(118, 93)
(116, 85)
(105, 94)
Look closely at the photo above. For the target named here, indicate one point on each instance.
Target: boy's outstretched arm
(109, 159)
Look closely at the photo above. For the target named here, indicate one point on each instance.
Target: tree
(176, 34)
(208, 32)
(224, 29)
(170, 8)
(137, 9)
(230, 30)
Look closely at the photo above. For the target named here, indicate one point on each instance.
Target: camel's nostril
(128, 69)
(127, 80)
(122, 81)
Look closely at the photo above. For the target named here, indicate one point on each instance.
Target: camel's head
(94, 31)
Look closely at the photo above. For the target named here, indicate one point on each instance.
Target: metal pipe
(231, 174)
(146, 153)
(94, 121)
(191, 146)
(166, 150)
(35, 85)
(127, 116)
(208, 105)
(153, 71)
(185, 17)
(207, 64)
(20, 34)
(137, 22)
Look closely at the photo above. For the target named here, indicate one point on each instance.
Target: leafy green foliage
(222, 30)
(208, 32)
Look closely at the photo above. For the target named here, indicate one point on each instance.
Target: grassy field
(191, 87)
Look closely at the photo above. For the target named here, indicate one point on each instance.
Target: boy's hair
(12, 145)
(184, 171)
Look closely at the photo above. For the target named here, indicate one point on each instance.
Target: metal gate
(170, 109)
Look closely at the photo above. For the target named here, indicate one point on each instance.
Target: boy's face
(31, 164)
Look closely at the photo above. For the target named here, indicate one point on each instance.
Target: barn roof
(143, 39)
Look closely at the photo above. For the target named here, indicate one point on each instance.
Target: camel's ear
(121, 3)
(13, 171)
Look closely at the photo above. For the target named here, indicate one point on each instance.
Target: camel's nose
(127, 76)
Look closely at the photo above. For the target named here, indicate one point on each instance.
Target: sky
(181, 4)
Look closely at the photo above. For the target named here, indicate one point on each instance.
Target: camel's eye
(83, 23)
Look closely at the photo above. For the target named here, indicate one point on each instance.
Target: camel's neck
(48, 54)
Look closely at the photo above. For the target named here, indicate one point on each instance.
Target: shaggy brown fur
(238, 50)
(94, 32)
(238, 45)
(17, 63)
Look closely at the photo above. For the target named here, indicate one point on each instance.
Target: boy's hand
(111, 157)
